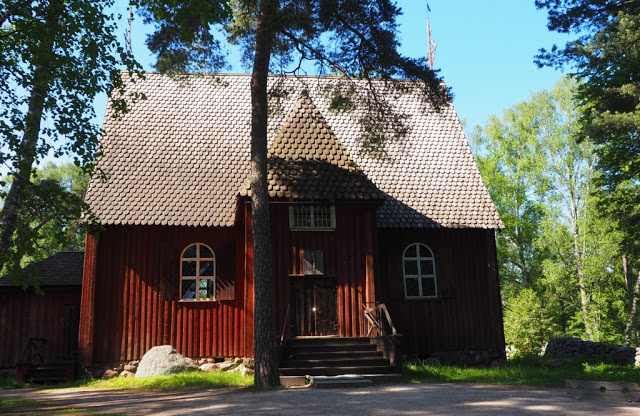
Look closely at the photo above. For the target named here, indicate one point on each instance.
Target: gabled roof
(181, 157)
(306, 161)
(62, 269)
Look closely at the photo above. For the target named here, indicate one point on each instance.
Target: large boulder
(162, 361)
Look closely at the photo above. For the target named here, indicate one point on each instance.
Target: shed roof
(181, 157)
(62, 269)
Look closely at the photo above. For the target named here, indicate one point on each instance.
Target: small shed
(52, 316)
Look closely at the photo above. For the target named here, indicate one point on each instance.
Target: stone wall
(572, 347)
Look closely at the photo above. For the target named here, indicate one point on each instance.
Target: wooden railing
(32, 352)
(284, 326)
(378, 316)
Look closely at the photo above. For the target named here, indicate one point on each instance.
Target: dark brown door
(313, 306)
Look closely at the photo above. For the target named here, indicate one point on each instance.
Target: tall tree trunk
(584, 297)
(26, 156)
(632, 321)
(265, 347)
(9, 216)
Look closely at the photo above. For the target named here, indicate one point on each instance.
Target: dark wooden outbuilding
(52, 316)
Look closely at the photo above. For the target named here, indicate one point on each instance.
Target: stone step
(346, 347)
(336, 362)
(332, 355)
(293, 381)
(335, 371)
(328, 382)
(305, 341)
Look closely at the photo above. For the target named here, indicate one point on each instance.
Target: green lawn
(529, 371)
(33, 407)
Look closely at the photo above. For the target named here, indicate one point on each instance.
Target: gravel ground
(398, 399)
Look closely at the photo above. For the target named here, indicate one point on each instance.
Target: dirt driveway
(399, 399)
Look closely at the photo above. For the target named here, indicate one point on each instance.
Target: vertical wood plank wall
(467, 313)
(28, 315)
(137, 303)
(137, 297)
(346, 253)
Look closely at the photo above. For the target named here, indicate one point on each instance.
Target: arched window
(419, 272)
(197, 273)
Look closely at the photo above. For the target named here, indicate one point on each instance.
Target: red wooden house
(173, 264)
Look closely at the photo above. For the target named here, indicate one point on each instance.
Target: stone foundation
(129, 368)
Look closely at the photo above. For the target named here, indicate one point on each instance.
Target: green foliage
(605, 57)
(83, 59)
(55, 58)
(529, 370)
(50, 220)
(530, 320)
(560, 259)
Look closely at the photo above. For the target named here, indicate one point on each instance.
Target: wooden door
(313, 306)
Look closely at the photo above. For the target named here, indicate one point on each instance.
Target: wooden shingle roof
(181, 157)
(62, 269)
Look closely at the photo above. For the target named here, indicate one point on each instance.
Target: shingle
(62, 269)
(182, 157)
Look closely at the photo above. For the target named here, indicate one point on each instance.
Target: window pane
(190, 252)
(411, 286)
(205, 252)
(426, 267)
(410, 267)
(207, 289)
(302, 216)
(188, 268)
(206, 268)
(188, 289)
(428, 286)
(411, 251)
(322, 216)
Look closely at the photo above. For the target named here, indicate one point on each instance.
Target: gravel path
(399, 399)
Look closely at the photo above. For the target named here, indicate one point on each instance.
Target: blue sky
(485, 50)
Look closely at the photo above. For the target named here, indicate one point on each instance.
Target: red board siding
(347, 250)
(25, 315)
(467, 313)
(137, 303)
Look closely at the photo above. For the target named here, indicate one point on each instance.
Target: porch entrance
(314, 306)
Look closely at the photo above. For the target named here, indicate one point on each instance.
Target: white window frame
(312, 227)
(198, 277)
(420, 247)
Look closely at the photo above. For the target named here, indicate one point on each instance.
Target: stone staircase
(335, 362)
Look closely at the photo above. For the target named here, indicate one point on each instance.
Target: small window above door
(312, 217)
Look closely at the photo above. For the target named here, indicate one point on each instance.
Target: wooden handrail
(284, 326)
(374, 316)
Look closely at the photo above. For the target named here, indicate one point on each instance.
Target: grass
(214, 379)
(11, 383)
(529, 371)
(33, 407)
